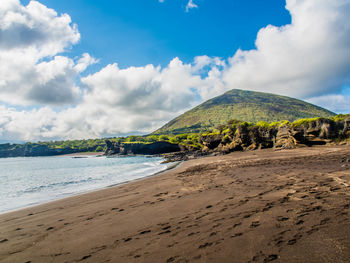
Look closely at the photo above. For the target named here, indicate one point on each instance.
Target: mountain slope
(242, 105)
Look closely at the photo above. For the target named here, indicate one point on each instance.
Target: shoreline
(257, 206)
(82, 154)
(171, 167)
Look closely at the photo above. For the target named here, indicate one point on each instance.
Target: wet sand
(259, 206)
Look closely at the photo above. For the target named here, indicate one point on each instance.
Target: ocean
(31, 181)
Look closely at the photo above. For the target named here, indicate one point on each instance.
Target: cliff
(284, 135)
(114, 148)
(35, 150)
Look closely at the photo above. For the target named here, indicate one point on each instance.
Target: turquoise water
(30, 181)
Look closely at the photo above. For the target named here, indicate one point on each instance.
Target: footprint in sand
(292, 241)
(165, 232)
(237, 224)
(300, 222)
(255, 224)
(271, 258)
(324, 221)
(237, 235)
(85, 257)
(208, 244)
(193, 233)
(145, 232)
(282, 218)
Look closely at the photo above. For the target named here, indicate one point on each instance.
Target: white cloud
(115, 101)
(35, 28)
(27, 125)
(190, 5)
(31, 71)
(308, 59)
(334, 102)
(85, 61)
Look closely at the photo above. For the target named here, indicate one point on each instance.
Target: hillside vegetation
(189, 141)
(242, 105)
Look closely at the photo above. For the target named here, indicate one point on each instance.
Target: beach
(254, 206)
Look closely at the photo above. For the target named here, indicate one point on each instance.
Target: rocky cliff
(114, 148)
(282, 136)
(245, 136)
(35, 150)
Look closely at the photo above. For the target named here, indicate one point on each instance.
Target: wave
(49, 186)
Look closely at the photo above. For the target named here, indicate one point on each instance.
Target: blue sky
(90, 69)
(140, 32)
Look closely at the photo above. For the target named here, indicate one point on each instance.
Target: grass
(191, 140)
(250, 106)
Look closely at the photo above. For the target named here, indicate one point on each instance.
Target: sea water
(30, 181)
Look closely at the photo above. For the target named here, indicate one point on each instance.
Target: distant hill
(242, 105)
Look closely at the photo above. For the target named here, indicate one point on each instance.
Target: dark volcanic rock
(346, 128)
(211, 141)
(140, 148)
(285, 139)
(34, 150)
(286, 136)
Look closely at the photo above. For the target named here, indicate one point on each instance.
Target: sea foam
(30, 181)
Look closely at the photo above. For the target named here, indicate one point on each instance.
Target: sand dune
(260, 206)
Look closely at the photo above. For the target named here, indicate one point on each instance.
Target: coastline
(82, 154)
(33, 205)
(211, 209)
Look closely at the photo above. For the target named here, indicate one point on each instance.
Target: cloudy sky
(85, 69)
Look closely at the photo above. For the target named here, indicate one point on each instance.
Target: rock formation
(140, 148)
(283, 136)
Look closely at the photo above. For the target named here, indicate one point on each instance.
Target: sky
(90, 69)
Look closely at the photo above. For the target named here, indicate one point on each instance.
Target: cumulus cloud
(307, 59)
(115, 101)
(190, 5)
(35, 124)
(334, 102)
(35, 28)
(31, 71)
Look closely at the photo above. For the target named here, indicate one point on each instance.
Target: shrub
(151, 138)
(99, 149)
(263, 124)
(163, 138)
(282, 123)
(340, 117)
(303, 122)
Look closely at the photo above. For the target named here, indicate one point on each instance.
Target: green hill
(242, 105)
